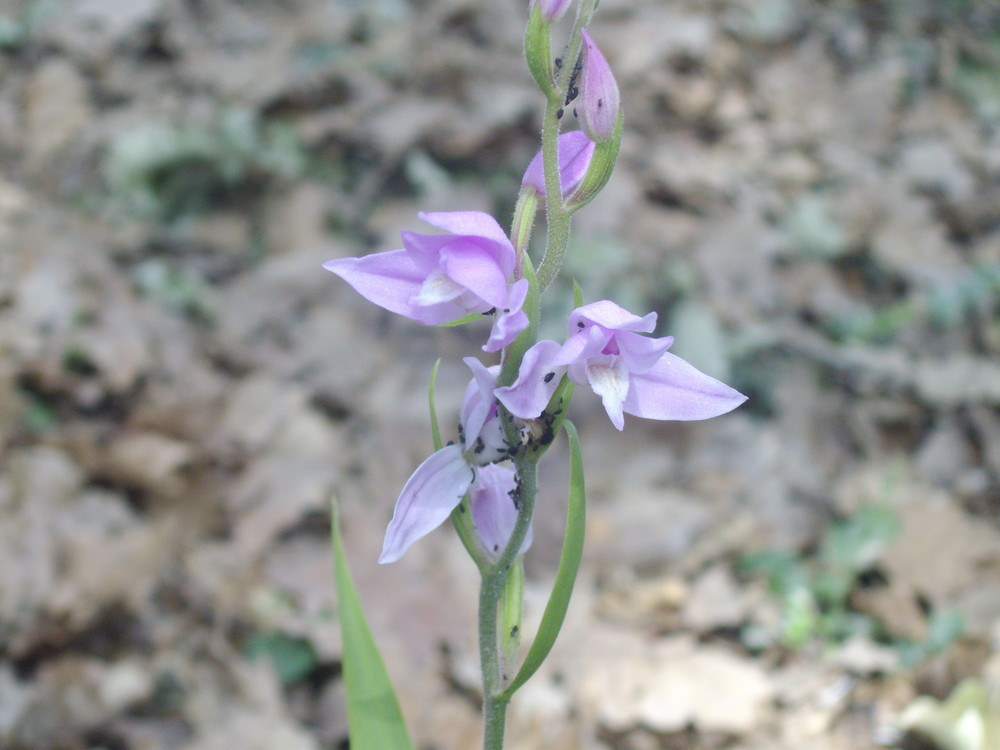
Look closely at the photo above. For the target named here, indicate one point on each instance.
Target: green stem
(490, 595)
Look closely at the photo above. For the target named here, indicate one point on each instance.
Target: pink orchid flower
(631, 372)
(438, 485)
(439, 278)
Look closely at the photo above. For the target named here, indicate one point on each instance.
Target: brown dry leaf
(255, 718)
(109, 557)
(667, 684)
(148, 460)
(301, 601)
(939, 548)
(57, 107)
(909, 240)
(67, 554)
(70, 696)
(716, 600)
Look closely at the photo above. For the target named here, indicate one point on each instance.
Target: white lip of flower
(609, 380)
(437, 287)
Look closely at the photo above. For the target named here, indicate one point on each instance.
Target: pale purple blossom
(599, 100)
(494, 511)
(631, 372)
(438, 485)
(552, 10)
(439, 278)
(574, 150)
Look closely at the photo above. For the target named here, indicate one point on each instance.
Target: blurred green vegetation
(293, 657)
(814, 591)
(170, 172)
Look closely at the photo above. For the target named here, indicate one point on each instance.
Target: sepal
(538, 50)
(602, 163)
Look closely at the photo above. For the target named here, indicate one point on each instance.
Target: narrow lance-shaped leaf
(373, 714)
(569, 564)
(435, 428)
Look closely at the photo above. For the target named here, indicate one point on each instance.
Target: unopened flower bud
(599, 101)
(575, 150)
(552, 10)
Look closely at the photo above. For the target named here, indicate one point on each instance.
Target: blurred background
(808, 194)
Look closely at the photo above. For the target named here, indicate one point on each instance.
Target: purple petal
(427, 499)
(580, 347)
(511, 321)
(478, 401)
(675, 389)
(475, 223)
(392, 280)
(476, 270)
(599, 100)
(609, 315)
(552, 10)
(493, 510)
(574, 150)
(639, 353)
(528, 396)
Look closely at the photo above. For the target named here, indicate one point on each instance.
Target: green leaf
(468, 318)
(569, 564)
(373, 714)
(435, 429)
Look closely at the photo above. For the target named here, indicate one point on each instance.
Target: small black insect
(548, 377)
(573, 90)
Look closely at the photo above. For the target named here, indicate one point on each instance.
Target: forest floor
(808, 194)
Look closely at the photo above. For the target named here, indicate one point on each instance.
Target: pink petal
(493, 510)
(428, 498)
(552, 10)
(599, 100)
(528, 396)
(608, 314)
(574, 151)
(478, 401)
(391, 280)
(639, 353)
(675, 389)
(511, 320)
(475, 223)
(477, 270)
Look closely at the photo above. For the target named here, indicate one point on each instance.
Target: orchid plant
(513, 409)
